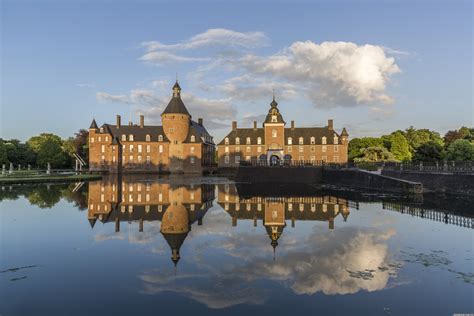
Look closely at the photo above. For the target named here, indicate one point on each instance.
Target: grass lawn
(34, 177)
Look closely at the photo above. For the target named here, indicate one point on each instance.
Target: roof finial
(273, 94)
(176, 76)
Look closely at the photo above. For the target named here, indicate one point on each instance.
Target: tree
(460, 149)
(375, 154)
(418, 137)
(358, 145)
(49, 148)
(429, 152)
(398, 145)
(452, 136)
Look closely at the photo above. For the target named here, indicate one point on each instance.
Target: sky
(372, 66)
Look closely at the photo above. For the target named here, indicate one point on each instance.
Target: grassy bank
(37, 178)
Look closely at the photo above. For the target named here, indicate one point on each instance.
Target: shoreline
(49, 178)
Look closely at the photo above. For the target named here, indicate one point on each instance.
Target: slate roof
(93, 124)
(176, 105)
(295, 134)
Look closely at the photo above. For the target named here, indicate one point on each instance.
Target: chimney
(254, 124)
(200, 121)
(118, 121)
(292, 124)
(142, 121)
(130, 123)
(234, 125)
(330, 125)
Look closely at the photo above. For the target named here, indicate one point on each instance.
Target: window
(300, 149)
(313, 159)
(274, 133)
(160, 149)
(191, 159)
(124, 137)
(336, 140)
(193, 138)
(113, 159)
(312, 140)
(226, 159)
(92, 139)
(325, 149)
(290, 141)
(226, 149)
(148, 160)
(139, 158)
(323, 140)
(100, 139)
(130, 137)
(247, 158)
(102, 158)
(160, 138)
(147, 138)
(139, 148)
(259, 140)
(301, 140)
(130, 159)
(148, 148)
(237, 140)
(123, 158)
(336, 149)
(248, 149)
(226, 140)
(106, 138)
(259, 149)
(102, 149)
(131, 148)
(192, 149)
(123, 147)
(248, 141)
(289, 149)
(237, 159)
(325, 158)
(237, 149)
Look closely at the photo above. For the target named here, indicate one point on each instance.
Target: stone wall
(455, 183)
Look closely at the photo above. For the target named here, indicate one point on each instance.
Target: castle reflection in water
(178, 206)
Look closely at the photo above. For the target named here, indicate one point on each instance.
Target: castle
(180, 145)
(275, 144)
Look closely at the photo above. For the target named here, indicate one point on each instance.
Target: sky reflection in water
(105, 248)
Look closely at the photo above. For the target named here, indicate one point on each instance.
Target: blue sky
(372, 66)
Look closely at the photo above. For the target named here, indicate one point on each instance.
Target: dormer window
(160, 138)
(101, 129)
(147, 138)
(226, 140)
(237, 140)
(124, 137)
(323, 140)
(248, 140)
(301, 140)
(193, 138)
(130, 137)
(274, 118)
(336, 140)
(312, 140)
(259, 140)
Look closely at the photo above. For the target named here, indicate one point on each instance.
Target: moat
(207, 245)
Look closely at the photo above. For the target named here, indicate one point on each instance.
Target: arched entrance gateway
(274, 157)
(274, 160)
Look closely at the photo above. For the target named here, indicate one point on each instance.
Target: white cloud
(214, 37)
(107, 97)
(160, 58)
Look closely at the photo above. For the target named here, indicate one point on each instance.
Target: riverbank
(43, 178)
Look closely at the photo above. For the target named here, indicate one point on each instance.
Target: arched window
(274, 133)
(323, 140)
(301, 140)
(130, 137)
(226, 140)
(237, 140)
(290, 141)
(147, 138)
(160, 138)
(336, 140)
(259, 140)
(248, 140)
(313, 141)
(193, 138)
(124, 137)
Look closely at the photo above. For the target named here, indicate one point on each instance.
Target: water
(208, 246)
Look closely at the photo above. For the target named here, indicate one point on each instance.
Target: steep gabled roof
(139, 133)
(243, 133)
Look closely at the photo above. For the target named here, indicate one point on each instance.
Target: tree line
(45, 148)
(416, 145)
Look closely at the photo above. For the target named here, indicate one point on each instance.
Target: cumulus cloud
(160, 58)
(331, 73)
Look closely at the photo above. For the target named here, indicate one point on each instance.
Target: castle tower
(274, 126)
(176, 121)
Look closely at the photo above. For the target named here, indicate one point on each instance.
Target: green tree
(429, 152)
(358, 145)
(375, 154)
(397, 144)
(49, 148)
(418, 137)
(460, 149)
(451, 136)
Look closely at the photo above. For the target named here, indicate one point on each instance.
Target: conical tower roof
(93, 125)
(176, 105)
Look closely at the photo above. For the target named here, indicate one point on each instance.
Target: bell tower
(274, 127)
